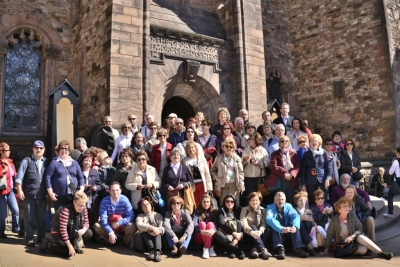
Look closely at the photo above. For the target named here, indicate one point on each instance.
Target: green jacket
(353, 224)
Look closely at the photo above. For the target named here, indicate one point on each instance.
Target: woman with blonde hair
(227, 172)
(199, 117)
(122, 141)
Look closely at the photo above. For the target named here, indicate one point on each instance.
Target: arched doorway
(179, 106)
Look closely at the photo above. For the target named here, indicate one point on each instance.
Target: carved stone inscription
(160, 46)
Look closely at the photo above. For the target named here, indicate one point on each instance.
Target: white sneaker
(212, 252)
(388, 215)
(383, 199)
(206, 253)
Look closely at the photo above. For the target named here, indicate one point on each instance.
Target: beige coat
(261, 156)
(135, 177)
(248, 217)
(220, 168)
(204, 171)
(143, 221)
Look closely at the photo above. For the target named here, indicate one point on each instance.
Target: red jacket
(10, 163)
(156, 156)
(277, 169)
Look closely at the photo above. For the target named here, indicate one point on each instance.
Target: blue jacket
(324, 168)
(176, 138)
(292, 218)
(56, 177)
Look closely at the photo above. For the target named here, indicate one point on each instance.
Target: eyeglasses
(141, 159)
(283, 141)
(162, 135)
(177, 123)
(107, 121)
(328, 144)
(226, 129)
(230, 147)
(229, 201)
(251, 127)
(189, 131)
(176, 203)
(153, 128)
(63, 148)
(319, 198)
(124, 156)
(349, 144)
(39, 148)
(301, 142)
(132, 119)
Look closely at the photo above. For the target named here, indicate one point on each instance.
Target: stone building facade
(336, 63)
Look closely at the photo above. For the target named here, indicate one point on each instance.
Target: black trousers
(305, 229)
(60, 248)
(152, 242)
(221, 238)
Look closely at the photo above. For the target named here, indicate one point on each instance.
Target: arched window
(23, 68)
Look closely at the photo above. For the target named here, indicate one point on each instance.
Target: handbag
(319, 237)
(261, 187)
(357, 176)
(277, 186)
(343, 249)
(175, 192)
(137, 242)
(71, 184)
(151, 193)
(3, 182)
(188, 197)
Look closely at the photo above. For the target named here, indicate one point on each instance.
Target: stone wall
(345, 42)
(207, 5)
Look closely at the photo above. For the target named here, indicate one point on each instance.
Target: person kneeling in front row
(69, 226)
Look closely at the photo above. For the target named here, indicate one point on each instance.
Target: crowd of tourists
(169, 186)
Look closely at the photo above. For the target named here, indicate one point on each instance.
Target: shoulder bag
(188, 197)
(175, 192)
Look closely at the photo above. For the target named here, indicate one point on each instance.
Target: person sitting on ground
(149, 223)
(229, 227)
(205, 225)
(338, 191)
(380, 180)
(282, 218)
(346, 227)
(252, 218)
(306, 220)
(358, 206)
(322, 212)
(178, 225)
(116, 217)
(70, 224)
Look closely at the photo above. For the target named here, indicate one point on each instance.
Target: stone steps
(386, 228)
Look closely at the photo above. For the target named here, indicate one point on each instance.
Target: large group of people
(252, 186)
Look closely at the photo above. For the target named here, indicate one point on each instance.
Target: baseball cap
(172, 115)
(38, 143)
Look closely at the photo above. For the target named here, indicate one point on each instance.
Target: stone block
(121, 18)
(114, 46)
(129, 3)
(121, 59)
(138, 21)
(114, 70)
(120, 35)
(130, 11)
(119, 81)
(129, 71)
(135, 83)
(128, 48)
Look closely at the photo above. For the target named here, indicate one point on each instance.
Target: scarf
(301, 211)
(317, 152)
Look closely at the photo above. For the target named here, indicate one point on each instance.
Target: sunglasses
(328, 144)
(162, 135)
(230, 147)
(251, 127)
(177, 123)
(319, 198)
(176, 203)
(153, 128)
(38, 148)
(301, 142)
(141, 159)
(107, 121)
(63, 148)
(189, 131)
(125, 127)
(229, 201)
(349, 144)
(132, 119)
(227, 129)
(5, 150)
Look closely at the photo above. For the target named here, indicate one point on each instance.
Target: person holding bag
(345, 229)
(63, 177)
(176, 176)
(178, 225)
(350, 162)
(141, 178)
(208, 142)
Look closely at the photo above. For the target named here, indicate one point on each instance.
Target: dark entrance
(180, 107)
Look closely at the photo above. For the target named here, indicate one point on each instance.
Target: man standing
(32, 190)
(133, 120)
(171, 122)
(338, 191)
(282, 218)
(244, 114)
(285, 119)
(178, 135)
(109, 122)
(145, 129)
(239, 126)
(81, 148)
(116, 216)
(266, 116)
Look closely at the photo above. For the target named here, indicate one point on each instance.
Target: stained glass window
(22, 86)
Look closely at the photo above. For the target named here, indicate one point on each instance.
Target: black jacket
(346, 163)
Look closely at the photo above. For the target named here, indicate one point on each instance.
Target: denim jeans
(277, 239)
(10, 201)
(34, 212)
(394, 190)
(185, 244)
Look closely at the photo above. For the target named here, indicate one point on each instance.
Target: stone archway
(179, 106)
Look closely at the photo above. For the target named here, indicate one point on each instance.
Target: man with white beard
(338, 191)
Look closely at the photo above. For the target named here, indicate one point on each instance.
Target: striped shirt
(64, 217)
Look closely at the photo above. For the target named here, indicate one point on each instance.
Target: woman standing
(199, 170)
(138, 144)
(335, 161)
(122, 141)
(350, 162)
(190, 136)
(316, 168)
(322, 212)
(178, 226)
(255, 160)
(254, 225)
(92, 187)
(160, 153)
(227, 132)
(395, 183)
(176, 176)
(191, 122)
(302, 146)
(7, 196)
(150, 224)
(298, 130)
(68, 227)
(152, 140)
(227, 172)
(230, 228)
(141, 178)
(63, 177)
(106, 174)
(346, 227)
(360, 208)
(222, 116)
(205, 225)
(306, 220)
(123, 168)
(208, 142)
(199, 118)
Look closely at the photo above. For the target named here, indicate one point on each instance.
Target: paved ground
(14, 253)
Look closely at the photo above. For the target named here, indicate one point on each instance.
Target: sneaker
(254, 252)
(241, 255)
(300, 253)
(265, 253)
(386, 255)
(157, 256)
(388, 215)
(212, 252)
(281, 253)
(182, 250)
(30, 243)
(150, 257)
(206, 253)
(382, 198)
(232, 255)
(174, 251)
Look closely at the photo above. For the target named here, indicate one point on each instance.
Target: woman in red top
(160, 152)
(7, 197)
